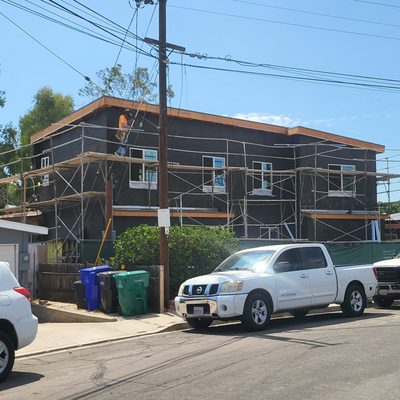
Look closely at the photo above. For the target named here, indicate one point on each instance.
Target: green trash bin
(132, 292)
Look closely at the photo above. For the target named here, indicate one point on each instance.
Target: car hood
(219, 277)
(393, 262)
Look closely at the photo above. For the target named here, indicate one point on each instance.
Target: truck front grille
(387, 274)
(200, 290)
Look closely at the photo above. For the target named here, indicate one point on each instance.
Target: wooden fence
(55, 281)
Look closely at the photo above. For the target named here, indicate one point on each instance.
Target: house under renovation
(263, 181)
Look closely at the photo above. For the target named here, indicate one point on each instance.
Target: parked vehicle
(250, 285)
(388, 275)
(18, 327)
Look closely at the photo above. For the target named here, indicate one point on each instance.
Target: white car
(18, 326)
(253, 284)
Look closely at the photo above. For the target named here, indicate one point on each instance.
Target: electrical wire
(391, 88)
(317, 13)
(272, 21)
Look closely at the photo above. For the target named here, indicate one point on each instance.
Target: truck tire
(257, 312)
(299, 313)
(354, 301)
(7, 355)
(382, 302)
(199, 323)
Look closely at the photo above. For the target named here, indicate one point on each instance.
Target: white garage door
(9, 253)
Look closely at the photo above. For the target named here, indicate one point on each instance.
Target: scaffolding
(57, 188)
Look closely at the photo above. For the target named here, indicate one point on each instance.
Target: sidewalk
(54, 336)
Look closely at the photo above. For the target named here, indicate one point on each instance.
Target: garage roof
(18, 226)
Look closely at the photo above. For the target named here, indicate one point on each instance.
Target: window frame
(44, 163)
(266, 191)
(340, 192)
(213, 188)
(299, 266)
(306, 265)
(144, 183)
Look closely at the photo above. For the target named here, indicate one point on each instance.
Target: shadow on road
(288, 324)
(19, 379)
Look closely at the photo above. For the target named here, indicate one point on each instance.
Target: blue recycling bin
(90, 282)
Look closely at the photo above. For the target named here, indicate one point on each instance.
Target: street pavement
(325, 356)
(54, 336)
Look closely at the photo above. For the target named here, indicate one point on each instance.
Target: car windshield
(254, 260)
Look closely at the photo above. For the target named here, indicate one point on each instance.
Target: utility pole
(163, 215)
(162, 141)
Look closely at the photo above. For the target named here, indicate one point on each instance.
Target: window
(288, 261)
(213, 180)
(341, 184)
(262, 181)
(312, 257)
(140, 175)
(45, 162)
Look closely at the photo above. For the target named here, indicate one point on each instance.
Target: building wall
(188, 142)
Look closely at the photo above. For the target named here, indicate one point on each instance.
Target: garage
(15, 238)
(9, 253)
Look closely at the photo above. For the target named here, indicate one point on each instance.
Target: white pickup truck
(250, 285)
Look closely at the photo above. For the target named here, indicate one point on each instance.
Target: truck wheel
(199, 323)
(383, 302)
(257, 312)
(7, 355)
(299, 313)
(354, 301)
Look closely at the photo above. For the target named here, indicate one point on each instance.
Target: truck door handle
(304, 276)
(329, 272)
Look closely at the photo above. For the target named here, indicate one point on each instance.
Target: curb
(52, 314)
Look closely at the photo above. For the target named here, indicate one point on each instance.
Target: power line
(377, 3)
(84, 30)
(288, 77)
(45, 47)
(364, 21)
(272, 21)
(294, 69)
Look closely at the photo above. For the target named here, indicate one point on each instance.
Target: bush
(193, 251)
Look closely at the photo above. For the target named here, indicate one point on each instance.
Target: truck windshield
(254, 260)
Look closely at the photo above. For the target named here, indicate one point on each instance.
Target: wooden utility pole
(163, 135)
(162, 141)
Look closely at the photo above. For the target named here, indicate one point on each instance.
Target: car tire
(7, 355)
(354, 301)
(299, 314)
(257, 312)
(383, 302)
(199, 323)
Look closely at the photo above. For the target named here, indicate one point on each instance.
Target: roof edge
(301, 130)
(18, 226)
(107, 101)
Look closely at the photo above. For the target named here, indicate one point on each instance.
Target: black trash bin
(79, 291)
(108, 291)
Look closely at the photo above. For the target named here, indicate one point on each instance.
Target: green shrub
(193, 251)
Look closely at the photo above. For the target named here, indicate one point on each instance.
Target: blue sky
(346, 36)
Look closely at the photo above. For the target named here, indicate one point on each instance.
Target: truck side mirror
(282, 266)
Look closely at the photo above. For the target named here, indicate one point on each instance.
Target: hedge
(193, 251)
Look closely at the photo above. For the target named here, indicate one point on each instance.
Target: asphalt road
(323, 357)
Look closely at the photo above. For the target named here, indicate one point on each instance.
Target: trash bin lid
(96, 270)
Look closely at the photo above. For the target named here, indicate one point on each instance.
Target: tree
(2, 98)
(113, 82)
(9, 139)
(49, 107)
